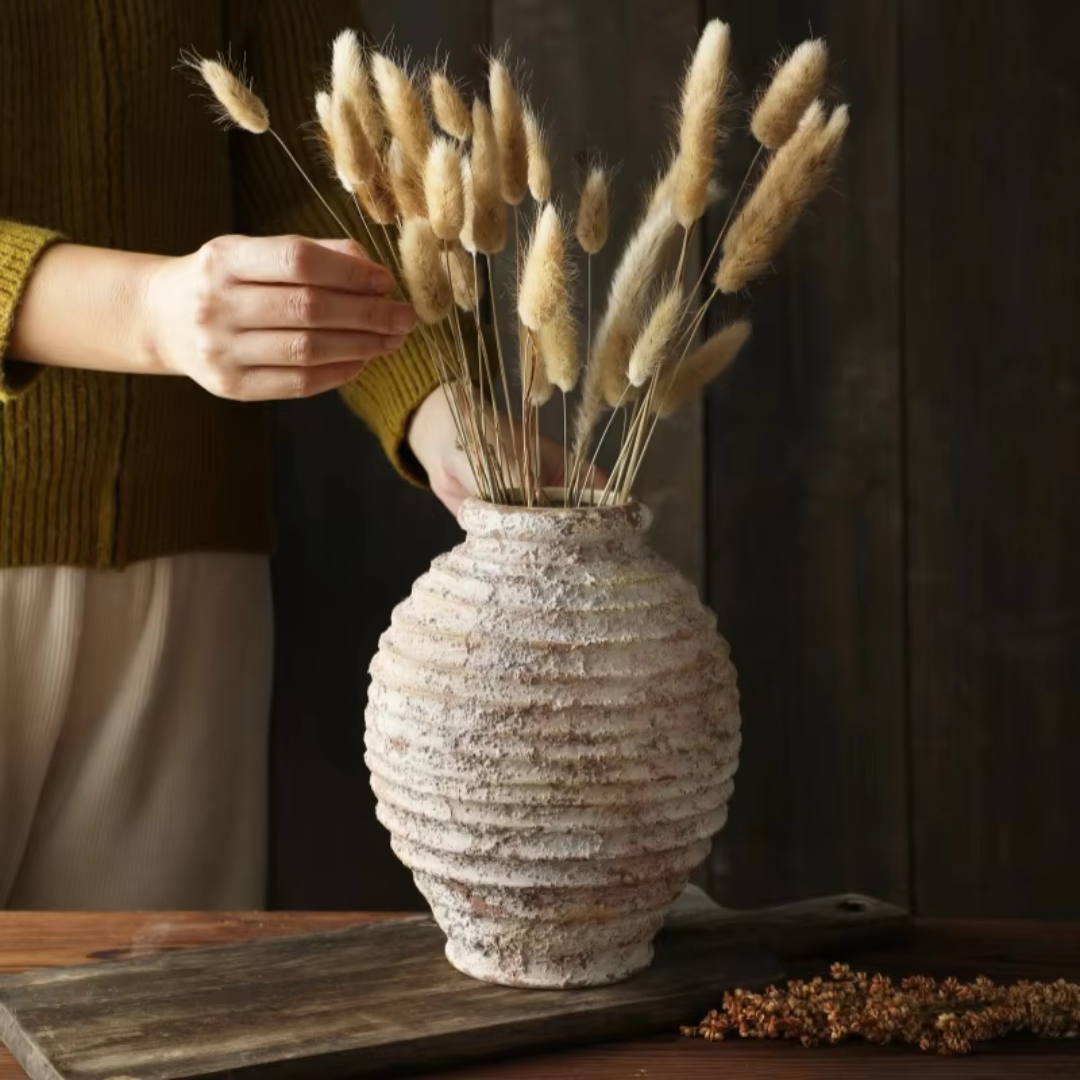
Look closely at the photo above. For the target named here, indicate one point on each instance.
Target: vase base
(596, 969)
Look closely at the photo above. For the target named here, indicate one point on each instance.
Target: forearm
(84, 307)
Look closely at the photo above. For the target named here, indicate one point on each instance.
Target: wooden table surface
(1001, 950)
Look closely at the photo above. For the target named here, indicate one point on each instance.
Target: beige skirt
(134, 715)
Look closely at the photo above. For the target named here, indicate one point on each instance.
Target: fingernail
(393, 343)
(404, 319)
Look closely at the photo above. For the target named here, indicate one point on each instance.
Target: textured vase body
(552, 731)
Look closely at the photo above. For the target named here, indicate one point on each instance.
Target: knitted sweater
(104, 142)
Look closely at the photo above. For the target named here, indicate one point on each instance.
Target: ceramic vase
(552, 732)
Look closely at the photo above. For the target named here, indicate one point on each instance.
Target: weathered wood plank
(605, 77)
(1003, 951)
(354, 537)
(993, 402)
(363, 999)
(804, 514)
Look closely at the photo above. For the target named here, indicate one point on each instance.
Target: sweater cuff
(386, 394)
(20, 246)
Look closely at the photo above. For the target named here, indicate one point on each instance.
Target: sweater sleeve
(287, 47)
(20, 246)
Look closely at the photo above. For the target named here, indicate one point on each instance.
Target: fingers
(296, 260)
(306, 306)
(308, 348)
(276, 384)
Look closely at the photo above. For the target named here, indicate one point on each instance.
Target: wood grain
(353, 538)
(805, 512)
(31, 939)
(991, 263)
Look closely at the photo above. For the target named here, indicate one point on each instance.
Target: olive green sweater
(104, 143)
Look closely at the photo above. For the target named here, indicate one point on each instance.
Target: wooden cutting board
(381, 997)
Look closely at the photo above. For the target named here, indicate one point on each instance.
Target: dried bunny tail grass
(588, 411)
(544, 276)
(489, 211)
(647, 254)
(355, 162)
(464, 279)
(404, 109)
(593, 212)
(663, 186)
(701, 367)
(654, 346)
(510, 136)
(795, 176)
(424, 271)
(558, 342)
(614, 343)
(376, 198)
(324, 112)
(347, 63)
(699, 125)
(466, 237)
(406, 182)
(539, 163)
(237, 103)
(534, 377)
(350, 80)
(796, 83)
(443, 191)
(451, 113)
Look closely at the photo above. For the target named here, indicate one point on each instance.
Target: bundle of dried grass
(448, 195)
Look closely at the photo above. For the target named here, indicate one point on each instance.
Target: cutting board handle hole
(852, 906)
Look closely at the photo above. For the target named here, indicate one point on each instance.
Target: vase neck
(555, 525)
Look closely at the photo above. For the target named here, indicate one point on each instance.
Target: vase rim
(479, 517)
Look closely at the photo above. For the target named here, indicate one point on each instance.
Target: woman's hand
(433, 439)
(282, 317)
(245, 318)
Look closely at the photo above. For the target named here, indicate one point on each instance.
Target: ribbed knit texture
(103, 141)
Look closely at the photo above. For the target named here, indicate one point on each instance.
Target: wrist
(150, 294)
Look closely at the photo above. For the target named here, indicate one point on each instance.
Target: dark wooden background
(880, 501)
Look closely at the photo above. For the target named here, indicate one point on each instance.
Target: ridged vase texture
(552, 730)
